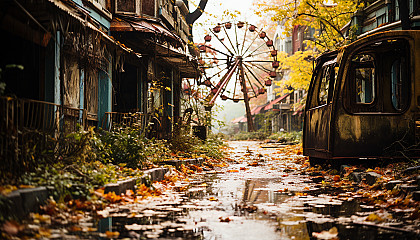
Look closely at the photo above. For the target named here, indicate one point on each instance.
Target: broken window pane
(365, 85)
(364, 74)
(396, 85)
(325, 83)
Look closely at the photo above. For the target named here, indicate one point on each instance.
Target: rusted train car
(364, 100)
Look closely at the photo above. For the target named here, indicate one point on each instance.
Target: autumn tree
(298, 67)
(327, 17)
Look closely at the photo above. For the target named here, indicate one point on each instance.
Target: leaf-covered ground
(263, 188)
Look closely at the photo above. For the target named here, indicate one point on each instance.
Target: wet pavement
(262, 194)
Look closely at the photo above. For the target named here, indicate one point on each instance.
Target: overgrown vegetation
(289, 137)
(257, 135)
(89, 159)
(283, 137)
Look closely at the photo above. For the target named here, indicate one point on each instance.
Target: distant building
(383, 15)
(286, 114)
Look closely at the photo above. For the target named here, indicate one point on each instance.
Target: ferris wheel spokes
(243, 65)
(233, 47)
(214, 34)
(250, 85)
(243, 43)
(253, 75)
(223, 82)
(260, 67)
(250, 55)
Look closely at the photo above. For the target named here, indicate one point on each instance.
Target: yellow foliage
(329, 17)
(299, 66)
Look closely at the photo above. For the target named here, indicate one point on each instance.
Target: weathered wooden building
(151, 83)
(384, 15)
(91, 63)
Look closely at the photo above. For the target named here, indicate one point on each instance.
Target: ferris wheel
(239, 65)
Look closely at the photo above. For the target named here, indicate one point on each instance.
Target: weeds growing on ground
(90, 159)
(293, 137)
(257, 135)
(290, 137)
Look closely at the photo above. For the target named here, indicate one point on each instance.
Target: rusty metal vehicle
(364, 100)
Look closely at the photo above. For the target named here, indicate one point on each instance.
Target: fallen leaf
(110, 234)
(11, 227)
(374, 218)
(330, 234)
(227, 219)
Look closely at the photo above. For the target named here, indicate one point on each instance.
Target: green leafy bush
(213, 147)
(293, 137)
(258, 135)
(125, 147)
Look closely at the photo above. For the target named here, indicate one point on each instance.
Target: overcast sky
(216, 8)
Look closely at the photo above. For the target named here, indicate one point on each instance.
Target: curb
(27, 200)
(151, 175)
(178, 163)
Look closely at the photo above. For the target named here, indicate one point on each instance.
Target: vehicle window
(396, 85)
(378, 78)
(325, 84)
(364, 78)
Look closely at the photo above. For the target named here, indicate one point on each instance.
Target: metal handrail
(24, 120)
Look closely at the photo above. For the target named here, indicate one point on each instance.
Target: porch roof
(74, 12)
(275, 101)
(122, 23)
(241, 119)
(299, 110)
(257, 109)
(187, 65)
(169, 47)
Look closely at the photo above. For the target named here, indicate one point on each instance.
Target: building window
(126, 6)
(380, 20)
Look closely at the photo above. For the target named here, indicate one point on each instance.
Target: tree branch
(323, 20)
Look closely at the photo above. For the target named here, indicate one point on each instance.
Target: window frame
(383, 82)
(331, 64)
